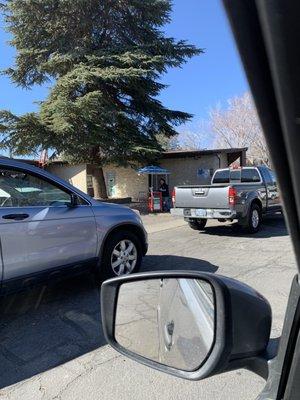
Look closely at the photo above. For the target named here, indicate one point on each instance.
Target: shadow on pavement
(169, 262)
(272, 226)
(46, 326)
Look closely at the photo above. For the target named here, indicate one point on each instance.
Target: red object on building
(155, 203)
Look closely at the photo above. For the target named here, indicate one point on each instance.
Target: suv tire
(122, 255)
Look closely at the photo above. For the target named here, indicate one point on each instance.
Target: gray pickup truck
(244, 194)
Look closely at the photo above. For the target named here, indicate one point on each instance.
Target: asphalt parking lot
(52, 346)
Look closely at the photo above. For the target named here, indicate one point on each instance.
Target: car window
(250, 175)
(221, 176)
(273, 177)
(266, 173)
(19, 189)
(266, 176)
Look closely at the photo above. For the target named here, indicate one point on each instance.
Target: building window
(89, 182)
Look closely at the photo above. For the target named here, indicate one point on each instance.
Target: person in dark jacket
(164, 189)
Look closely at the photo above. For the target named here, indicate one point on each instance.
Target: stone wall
(125, 182)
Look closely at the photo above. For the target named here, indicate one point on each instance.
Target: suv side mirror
(188, 324)
(73, 200)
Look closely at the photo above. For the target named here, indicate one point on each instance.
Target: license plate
(200, 213)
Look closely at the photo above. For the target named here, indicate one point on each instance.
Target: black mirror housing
(251, 319)
(242, 324)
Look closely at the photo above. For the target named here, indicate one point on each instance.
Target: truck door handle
(16, 217)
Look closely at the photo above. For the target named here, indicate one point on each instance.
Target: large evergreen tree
(104, 60)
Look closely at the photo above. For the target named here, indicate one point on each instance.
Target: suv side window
(20, 189)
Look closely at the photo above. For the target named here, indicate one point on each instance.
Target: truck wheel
(198, 224)
(122, 255)
(254, 219)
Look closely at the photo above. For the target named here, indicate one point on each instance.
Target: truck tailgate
(215, 196)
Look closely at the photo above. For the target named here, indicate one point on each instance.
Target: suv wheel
(198, 224)
(122, 255)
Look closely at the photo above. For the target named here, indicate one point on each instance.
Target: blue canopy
(153, 170)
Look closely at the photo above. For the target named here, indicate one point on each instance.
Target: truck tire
(253, 220)
(198, 224)
(122, 255)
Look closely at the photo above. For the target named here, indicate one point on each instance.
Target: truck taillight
(232, 196)
(173, 197)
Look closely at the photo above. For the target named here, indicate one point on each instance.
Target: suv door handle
(16, 217)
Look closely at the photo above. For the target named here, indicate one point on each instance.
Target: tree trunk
(99, 184)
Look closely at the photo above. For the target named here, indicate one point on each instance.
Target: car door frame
(265, 33)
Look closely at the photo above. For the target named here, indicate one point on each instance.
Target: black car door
(268, 36)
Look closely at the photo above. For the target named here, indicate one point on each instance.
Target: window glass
(19, 189)
(273, 177)
(245, 175)
(235, 175)
(250, 175)
(267, 176)
(221, 176)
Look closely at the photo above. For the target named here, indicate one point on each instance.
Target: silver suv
(48, 227)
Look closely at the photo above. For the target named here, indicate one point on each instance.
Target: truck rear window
(250, 175)
(221, 176)
(244, 175)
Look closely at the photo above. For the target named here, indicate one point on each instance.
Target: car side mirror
(73, 200)
(188, 324)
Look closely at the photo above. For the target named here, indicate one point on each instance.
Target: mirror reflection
(170, 321)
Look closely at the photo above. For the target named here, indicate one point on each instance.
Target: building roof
(181, 153)
(233, 154)
(199, 153)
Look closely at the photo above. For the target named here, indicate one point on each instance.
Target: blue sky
(200, 84)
